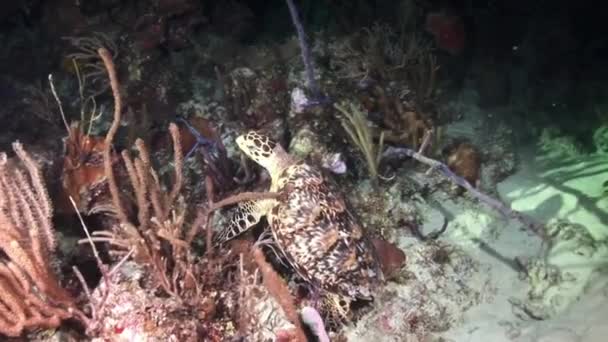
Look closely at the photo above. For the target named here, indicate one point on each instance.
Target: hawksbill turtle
(310, 223)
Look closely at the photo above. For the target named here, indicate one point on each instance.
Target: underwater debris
(543, 296)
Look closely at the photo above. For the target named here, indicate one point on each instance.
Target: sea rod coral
(30, 293)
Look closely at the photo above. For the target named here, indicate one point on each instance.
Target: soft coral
(448, 30)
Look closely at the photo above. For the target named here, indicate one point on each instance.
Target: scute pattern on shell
(320, 237)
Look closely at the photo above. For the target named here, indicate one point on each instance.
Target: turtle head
(263, 151)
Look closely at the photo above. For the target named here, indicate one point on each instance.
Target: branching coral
(159, 235)
(278, 288)
(361, 135)
(267, 308)
(83, 177)
(404, 124)
(39, 102)
(380, 53)
(422, 77)
(30, 293)
(86, 60)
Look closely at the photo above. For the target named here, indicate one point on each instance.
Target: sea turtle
(310, 223)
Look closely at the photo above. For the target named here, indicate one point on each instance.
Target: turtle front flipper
(247, 215)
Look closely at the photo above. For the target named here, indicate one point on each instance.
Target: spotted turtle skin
(310, 222)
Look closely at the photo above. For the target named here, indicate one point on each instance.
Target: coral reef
(132, 312)
(430, 295)
(388, 211)
(153, 96)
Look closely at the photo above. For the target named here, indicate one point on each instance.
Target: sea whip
(309, 66)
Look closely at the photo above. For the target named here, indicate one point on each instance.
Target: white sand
(549, 189)
(569, 289)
